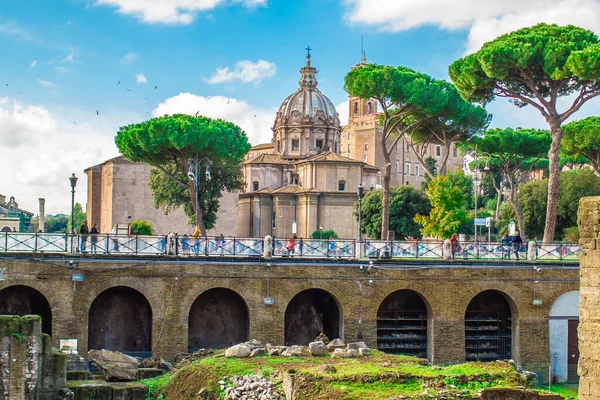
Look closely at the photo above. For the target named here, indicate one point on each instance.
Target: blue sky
(62, 63)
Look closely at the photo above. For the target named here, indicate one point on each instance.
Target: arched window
(355, 107)
(255, 185)
(366, 146)
(341, 185)
(369, 108)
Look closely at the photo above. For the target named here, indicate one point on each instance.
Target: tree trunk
(385, 202)
(498, 204)
(197, 211)
(514, 202)
(553, 182)
(444, 161)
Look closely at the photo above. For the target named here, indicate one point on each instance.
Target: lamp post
(73, 180)
(477, 179)
(194, 177)
(360, 192)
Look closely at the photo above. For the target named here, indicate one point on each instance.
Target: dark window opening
(255, 185)
(355, 108)
(341, 185)
(295, 144)
(319, 144)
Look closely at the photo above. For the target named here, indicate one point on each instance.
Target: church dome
(308, 101)
(307, 122)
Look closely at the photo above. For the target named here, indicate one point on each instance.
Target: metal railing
(107, 244)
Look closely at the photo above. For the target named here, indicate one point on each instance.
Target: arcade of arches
(447, 315)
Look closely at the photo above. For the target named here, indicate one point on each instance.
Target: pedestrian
(506, 242)
(331, 247)
(290, 246)
(93, 238)
(195, 235)
(83, 232)
(185, 246)
(300, 246)
(517, 242)
(170, 251)
(222, 244)
(455, 246)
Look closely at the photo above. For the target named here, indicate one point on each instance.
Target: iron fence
(12, 242)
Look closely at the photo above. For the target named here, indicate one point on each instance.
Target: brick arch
(186, 303)
(43, 291)
(476, 351)
(426, 295)
(511, 297)
(293, 336)
(550, 300)
(298, 288)
(429, 297)
(82, 310)
(230, 326)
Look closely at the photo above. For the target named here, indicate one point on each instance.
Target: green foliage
(582, 140)
(168, 195)
(536, 66)
(563, 57)
(430, 165)
(448, 212)
(324, 234)
(56, 224)
(141, 227)
(571, 235)
(574, 186)
(405, 203)
(18, 337)
(80, 216)
(171, 143)
(413, 104)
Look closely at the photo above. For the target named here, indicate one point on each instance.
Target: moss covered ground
(380, 376)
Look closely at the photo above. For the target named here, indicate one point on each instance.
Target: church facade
(361, 140)
(300, 183)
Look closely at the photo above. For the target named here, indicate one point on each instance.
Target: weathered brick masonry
(589, 305)
(171, 287)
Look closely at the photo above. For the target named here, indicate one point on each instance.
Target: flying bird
(155, 87)
(128, 90)
(227, 101)
(97, 112)
(146, 98)
(118, 83)
(197, 112)
(74, 123)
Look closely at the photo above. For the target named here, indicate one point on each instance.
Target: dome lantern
(307, 122)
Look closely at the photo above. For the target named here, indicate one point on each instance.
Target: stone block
(147, 373)
(317, 348)
(31, 325)
(356, 346)
(116, 365)
(239, 350)
(9, 324)
(77, 375)
(335, 344)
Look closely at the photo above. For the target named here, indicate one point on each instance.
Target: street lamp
(360, 192)
(193, 176)
(73, 180)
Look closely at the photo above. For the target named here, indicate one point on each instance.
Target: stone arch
(403, 319)
(120, 319)
(355, 107)
(562, 325)
(309, 313)
(23, 300)
(6, 228)
(490, 326)
(218, 318)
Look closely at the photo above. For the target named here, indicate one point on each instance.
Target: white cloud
(485, 20)
(343, 112)
(130, 57)
(44, 147)
(44, 83)
(255, 122)
(140, 78)
(12, 29)
(61, 69)
(170, 11)
(33, 64)
(245, 71)
(69, 58)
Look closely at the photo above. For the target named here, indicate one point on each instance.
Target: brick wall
(172, 286)
(589, 305)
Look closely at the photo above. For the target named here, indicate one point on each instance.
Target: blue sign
(269, 301)
(479, 221)
(78, 277)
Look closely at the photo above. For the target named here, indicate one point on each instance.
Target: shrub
(141, 227)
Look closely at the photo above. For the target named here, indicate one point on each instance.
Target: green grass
(156, 386)
(376, 390)
(565, 390)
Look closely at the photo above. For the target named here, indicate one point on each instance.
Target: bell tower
(358, 107)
